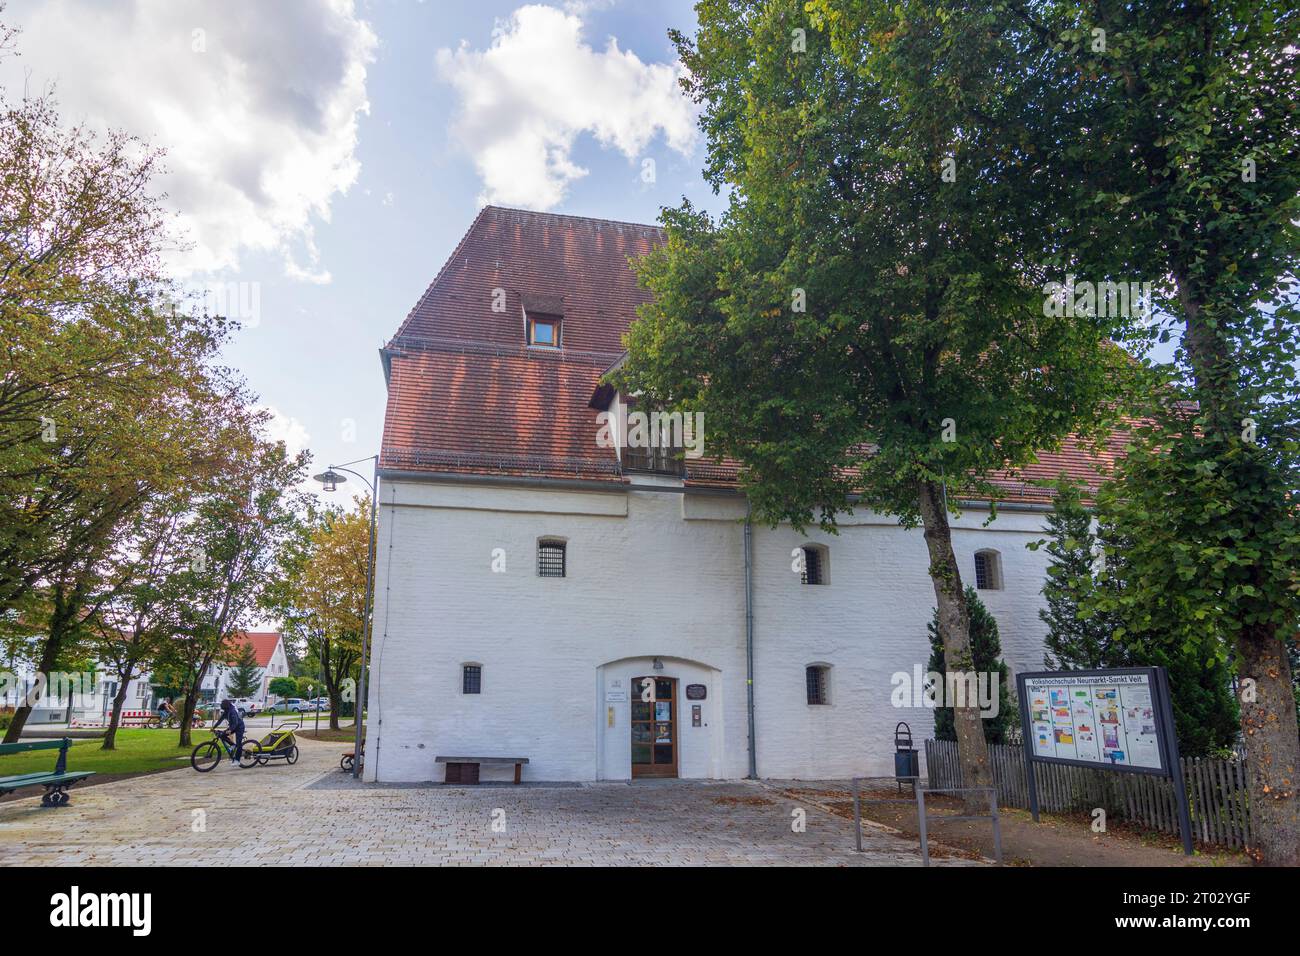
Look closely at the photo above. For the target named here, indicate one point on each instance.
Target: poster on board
(1100, 718)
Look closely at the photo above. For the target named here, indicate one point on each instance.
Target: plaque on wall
(696, 692)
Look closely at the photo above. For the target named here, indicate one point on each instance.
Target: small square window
(544, 330)
(550, 559)
(471, 679)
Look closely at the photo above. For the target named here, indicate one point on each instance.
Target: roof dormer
(543, 321)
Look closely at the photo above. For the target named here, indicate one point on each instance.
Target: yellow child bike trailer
(279, 744)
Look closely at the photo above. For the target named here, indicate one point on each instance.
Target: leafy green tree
(986, 652)
(242, 519)
(245, 676)
(319, 592)
(104, 398)
(865, 326)
(137, 613)
(1074, 641)
(1088, 628)
(283, 687)
(1176, 147)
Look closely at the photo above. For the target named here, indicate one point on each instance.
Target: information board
(1109, 718)
(1120, 719)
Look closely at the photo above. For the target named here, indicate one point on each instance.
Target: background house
(272, 662)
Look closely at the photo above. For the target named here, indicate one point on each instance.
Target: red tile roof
(466, 396)
(264, 644)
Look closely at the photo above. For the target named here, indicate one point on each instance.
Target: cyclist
(234, 723)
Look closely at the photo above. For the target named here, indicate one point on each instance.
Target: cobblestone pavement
(315, 815)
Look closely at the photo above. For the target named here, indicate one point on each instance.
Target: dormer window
(544, 331)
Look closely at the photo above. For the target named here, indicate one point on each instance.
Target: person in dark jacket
(235, 723)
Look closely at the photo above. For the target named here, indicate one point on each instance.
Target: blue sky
(329, 155)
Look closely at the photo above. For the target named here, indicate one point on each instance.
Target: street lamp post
(330, 479)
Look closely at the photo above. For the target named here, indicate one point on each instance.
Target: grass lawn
(138, 751)
(345, 734)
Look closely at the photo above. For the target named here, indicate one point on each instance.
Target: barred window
(988, 571)
(471, 681)
(818, 684)
(550, 558)
(814, 565)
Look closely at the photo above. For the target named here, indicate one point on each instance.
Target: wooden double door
(654, 727)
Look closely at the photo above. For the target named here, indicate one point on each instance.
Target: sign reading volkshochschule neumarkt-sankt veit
(1117, 719)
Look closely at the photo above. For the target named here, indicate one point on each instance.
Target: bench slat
(22, 779)
(25, 745)
(32, 779)
(480, 760)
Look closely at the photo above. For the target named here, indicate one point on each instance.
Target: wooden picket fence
(1216, 790)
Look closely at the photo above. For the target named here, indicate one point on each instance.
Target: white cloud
(285, 428)
(525, 100)
(256, 105)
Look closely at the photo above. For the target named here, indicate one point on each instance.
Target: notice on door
(1106, 719)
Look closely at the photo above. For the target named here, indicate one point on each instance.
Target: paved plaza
(313, 814)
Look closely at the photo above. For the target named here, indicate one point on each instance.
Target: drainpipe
(749, 638)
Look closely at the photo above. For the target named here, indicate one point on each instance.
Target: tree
(245, 675)
(1186, 174)
(242, 519)
(1088, 628)
(1074, 641)
(283, 687)
(104, 396)
(138, 614)
(319, 591)
(986, 649)
(865, 325)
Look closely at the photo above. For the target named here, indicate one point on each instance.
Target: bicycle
(207, 755)
(172, 721)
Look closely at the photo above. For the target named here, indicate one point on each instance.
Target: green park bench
(56, 782)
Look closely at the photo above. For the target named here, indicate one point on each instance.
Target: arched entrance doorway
(672, 727)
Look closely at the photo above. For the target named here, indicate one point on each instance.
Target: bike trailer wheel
(292, 755)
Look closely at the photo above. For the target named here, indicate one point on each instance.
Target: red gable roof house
(268, 649)
(588, 607)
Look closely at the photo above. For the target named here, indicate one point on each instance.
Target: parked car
(246, 706)
(300, 706)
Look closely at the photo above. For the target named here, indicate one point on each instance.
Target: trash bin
(907, 765)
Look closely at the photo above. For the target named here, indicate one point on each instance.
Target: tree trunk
(1268, 725)
(187, 714)
(110, 735)
(954, 628)
(58, 630)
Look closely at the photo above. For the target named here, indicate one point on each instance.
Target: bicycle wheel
(292, 756)
(206, 756)
(250, 755)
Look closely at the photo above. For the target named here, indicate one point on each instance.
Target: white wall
(653, 575)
